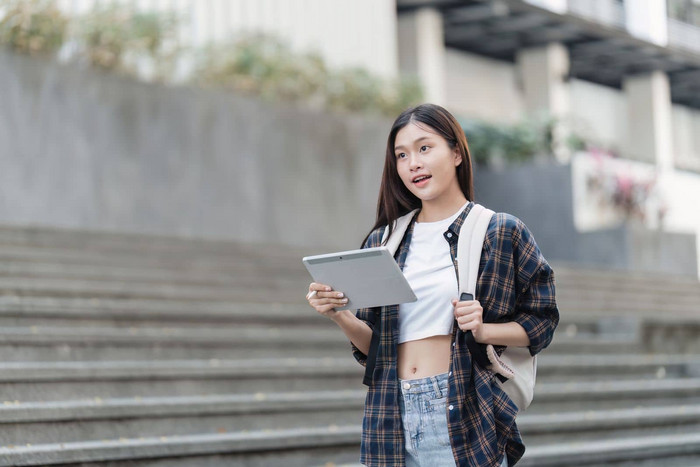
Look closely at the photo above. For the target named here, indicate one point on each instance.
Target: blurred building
(622, 75)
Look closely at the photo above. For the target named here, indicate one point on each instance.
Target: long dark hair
(395, 199)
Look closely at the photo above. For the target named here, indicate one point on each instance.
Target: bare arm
(469, 318)
(324, 301)
(511, 333)
(355, 329)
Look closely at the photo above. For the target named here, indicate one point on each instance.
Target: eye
(401, 155)
(424, 148)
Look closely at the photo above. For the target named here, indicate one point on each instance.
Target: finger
(467, 327)
(334, 294)
(463, 311)
(465, 321)
(318, 287)
(467, 309)
(332, 301)
(317, 301)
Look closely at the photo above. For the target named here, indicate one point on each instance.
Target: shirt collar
(455, 227)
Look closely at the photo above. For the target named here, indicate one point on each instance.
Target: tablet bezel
(325, 269)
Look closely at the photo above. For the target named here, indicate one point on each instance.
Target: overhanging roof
(598, 53)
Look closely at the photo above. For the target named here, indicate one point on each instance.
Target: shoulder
(505, 225)
(508, 232)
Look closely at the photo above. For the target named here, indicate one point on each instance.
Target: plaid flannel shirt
(515, 284)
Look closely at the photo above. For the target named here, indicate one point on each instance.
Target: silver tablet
(368, 277)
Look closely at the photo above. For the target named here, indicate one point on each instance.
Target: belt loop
(436, 386)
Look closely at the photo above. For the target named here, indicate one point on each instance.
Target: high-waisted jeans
(424, 416)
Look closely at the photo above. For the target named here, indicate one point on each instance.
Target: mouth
(421, 180)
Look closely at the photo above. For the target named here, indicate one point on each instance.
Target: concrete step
(344, 438)
(615, 390)
(576, 274)
(197, 271)
(118, 242)
(565, 425)
(32, 263)
(97, 419)
(280, 290)
(55, 381)
(252, 274)
(29, 343)
(605, 451)
(37, 381)
(161, 311)
(284, 447)
(605, 344)
(86, 308)
(622, 305)
(138, 343)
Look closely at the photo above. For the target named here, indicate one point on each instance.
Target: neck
(433, 211)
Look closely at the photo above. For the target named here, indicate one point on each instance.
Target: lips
(421, 178)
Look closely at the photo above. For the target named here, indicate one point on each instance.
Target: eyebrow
(396, 148)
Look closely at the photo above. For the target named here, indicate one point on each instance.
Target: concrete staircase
(133, 350)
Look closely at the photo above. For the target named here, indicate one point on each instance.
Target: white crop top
(431, 274)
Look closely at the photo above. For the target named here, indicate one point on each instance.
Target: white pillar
(557, 6)
(647, 20)
(543, 72)
(650, 136)
(422, 51)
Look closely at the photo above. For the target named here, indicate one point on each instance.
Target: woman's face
(425, 162)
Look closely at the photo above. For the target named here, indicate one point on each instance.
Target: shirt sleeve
(536, 308)
(368, 315)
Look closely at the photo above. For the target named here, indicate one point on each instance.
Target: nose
(414, 162)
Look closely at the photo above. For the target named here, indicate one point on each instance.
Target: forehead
(412, 132)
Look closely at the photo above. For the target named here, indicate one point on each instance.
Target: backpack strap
(400, 226)
(469, 246)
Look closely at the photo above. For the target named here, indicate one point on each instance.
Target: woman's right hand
(325, 299)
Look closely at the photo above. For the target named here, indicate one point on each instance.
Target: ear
(457, 157)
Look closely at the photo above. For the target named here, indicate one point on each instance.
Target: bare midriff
(424, 357)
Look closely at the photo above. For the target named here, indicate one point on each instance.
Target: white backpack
(515, 369)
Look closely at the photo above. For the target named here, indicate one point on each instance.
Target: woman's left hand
(469, 317)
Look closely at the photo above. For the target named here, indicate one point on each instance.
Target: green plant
(264, 66)
(353, 89)
(116, 37)
(32, 26)
(490, 143)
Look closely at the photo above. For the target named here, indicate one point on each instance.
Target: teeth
(419, 179)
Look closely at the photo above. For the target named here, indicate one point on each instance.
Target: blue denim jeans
(424, 416)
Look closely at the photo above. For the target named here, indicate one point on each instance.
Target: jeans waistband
(437, 384)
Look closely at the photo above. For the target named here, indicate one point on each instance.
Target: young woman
(427, 403)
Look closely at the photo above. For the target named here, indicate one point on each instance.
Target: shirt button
(451, 407)
(449, 234)
(406, 386)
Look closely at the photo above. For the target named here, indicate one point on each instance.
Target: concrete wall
(542, 197)
(87, 150)
(686, 137)
(599, 113)
(479, 87)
